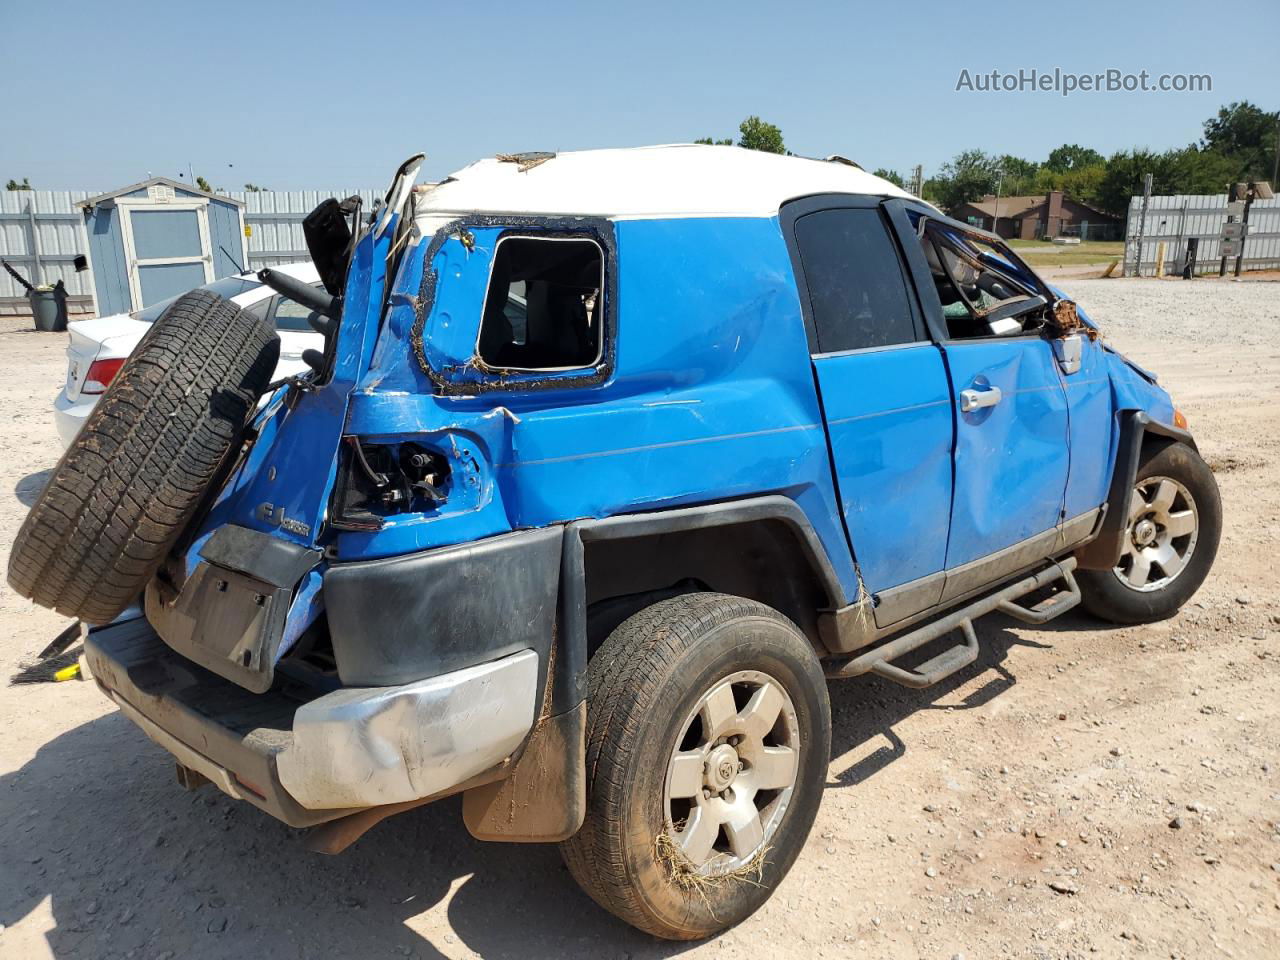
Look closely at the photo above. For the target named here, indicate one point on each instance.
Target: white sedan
(99, 347)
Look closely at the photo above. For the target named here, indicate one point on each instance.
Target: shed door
(168, 251)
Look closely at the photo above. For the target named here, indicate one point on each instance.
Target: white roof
(682, 180)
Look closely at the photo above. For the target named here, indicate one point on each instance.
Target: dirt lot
(1078, 792)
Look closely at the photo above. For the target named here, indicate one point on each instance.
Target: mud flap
(544, 798)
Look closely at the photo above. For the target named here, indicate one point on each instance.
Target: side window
(291, 316)
(980, 291)
(287, 315)
(543, 310)
(857, 291)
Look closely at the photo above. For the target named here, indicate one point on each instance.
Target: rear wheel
(708, 739)
(1171, 537)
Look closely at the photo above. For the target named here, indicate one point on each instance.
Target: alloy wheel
(732, 772)
(1161, 536)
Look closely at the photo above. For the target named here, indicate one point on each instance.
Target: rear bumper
(69, 416)
(305, 763)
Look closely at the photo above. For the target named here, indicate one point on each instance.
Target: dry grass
(1038, 253)
(682, 872)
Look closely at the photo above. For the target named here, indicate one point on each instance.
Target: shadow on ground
(29, 487)
(129, 862)
(864, 709)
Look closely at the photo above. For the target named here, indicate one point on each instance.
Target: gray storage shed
(159, 238)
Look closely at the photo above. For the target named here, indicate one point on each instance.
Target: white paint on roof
(680, 180)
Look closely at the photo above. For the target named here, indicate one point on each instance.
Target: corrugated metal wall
(1174, 220)
(275, 219)
(54, 218)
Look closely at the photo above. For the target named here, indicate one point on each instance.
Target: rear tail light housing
(378, 480)
(100, 375)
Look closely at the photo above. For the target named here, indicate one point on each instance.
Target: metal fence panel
(1174, 220)
(42, 231)
(274, 219)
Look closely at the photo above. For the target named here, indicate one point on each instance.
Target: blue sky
(329, 95)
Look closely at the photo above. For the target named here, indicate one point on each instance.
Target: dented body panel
(458, 527)
(710, 396)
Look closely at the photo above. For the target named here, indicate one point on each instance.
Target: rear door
(885, 397)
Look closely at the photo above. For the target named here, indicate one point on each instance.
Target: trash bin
(49, 307)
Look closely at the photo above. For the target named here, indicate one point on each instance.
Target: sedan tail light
(100, 375)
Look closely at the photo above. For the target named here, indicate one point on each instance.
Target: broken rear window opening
(543, 309)
(980, 294)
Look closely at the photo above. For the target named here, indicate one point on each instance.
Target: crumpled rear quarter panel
(711, 395)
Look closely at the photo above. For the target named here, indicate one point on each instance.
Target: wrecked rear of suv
(609, 457)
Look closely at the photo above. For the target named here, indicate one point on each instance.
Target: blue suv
(610, 461)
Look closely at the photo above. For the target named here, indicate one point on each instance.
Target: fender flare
(1103, 552)
(570, 680)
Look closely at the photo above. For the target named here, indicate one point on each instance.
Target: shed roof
(679, 180)
(176, 184)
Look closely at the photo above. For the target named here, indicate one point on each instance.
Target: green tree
(1124, 177)
(1079, 183)
(892, 176)
(253, 188)
(1196, 170)
(1072, 156)
(15, 185)
(970, 175)
(757, 134)
(1246, 135)
(203, 184)
(1019, 175)
(754, 134)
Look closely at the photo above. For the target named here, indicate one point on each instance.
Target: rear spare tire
(135, 476)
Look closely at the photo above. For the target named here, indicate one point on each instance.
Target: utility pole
(1275, 166)
(1244, 229)
(917, 180)
(995, 219)
(1232, 232)
(1142, 223)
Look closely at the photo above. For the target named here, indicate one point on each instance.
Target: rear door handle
(971, 400)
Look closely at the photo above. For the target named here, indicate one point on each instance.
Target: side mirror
(328, 238)
(1068, 351)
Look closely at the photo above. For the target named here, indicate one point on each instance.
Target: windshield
(227, 287)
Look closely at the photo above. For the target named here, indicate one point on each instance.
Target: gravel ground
(1078, 792)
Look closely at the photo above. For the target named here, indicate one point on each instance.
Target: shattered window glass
(977, 286)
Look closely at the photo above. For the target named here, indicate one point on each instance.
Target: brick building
(1031, 218)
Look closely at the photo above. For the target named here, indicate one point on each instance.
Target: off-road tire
(642, 682)
(1106, 595)
(133, 478)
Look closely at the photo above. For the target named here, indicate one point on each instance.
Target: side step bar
(879, 660)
